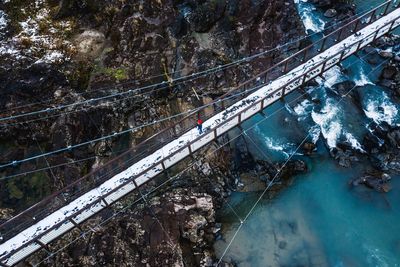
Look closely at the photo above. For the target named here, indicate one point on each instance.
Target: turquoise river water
(319, 220)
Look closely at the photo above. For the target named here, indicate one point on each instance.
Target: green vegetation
(28, 190)
(14, 191)
(119, 73)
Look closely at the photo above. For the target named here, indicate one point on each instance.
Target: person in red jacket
(200, 126)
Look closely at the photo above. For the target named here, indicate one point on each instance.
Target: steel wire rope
(154, 190)
(382, 63)
(87, 101)
(219, 66)
(179, 174)
(270, 184)
(189, 167)
(193, 111)
(215, 69)
(144, 198)
(145, 125)
(134, 128)
(72, 196)
(298, 98)
(347, 66)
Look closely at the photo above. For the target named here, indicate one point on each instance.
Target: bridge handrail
(342, 54)
(173, 126)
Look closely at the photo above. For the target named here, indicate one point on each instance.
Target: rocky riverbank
(381, 144)
(60, 52)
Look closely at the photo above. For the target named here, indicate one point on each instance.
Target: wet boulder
(386, 83)
(344, 154)
(344, 88)
(376, 181)
(389, 72)
(330, 13)
(308, 148)
(386, 54)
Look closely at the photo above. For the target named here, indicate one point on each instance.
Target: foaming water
(381, 109)
(354, 142)
(274, 144)
(319, 220)
(303, 109)
(331, 77)
(361, 79)
(327, 120)
(312, 22)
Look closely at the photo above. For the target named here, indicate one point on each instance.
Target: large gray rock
(386, 54)
(330, 13)
(389, 72)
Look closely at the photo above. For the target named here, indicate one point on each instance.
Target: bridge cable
(270, 184)
(201, 73)
(15, 162)
(193, 164)
(177, 175)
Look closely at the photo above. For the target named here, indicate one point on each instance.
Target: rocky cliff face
(61, 52)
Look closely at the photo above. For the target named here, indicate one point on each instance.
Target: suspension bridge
(36, 227)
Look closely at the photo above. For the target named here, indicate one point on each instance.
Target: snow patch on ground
(325, 119)
(40, 37)
(3, 22)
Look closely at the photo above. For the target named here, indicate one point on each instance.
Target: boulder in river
(386, 54)
(343, 88)
(389, 72)
(376, 181)
(330, 13)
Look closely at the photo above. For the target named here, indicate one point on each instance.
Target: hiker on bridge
(200, 125)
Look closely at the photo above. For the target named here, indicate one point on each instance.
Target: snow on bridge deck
(46, 230)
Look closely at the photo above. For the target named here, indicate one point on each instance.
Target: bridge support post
(391, 25)
(386, 9)
(76, 225)
(342, 55)
(322, 45)
(339, 35)
(372, 16)
(359, 45)
(190, 151)
(104, 201)
(304, 79)
(323, 67)
(285, 66)
(305, 55)
(356, 26)
(263, 113)
(375, 35)
(43, 246)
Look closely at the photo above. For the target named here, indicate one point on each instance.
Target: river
(318, 220)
